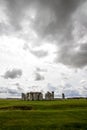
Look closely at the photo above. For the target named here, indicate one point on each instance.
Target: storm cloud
(13, 74)
(62, 21)
(50, 15)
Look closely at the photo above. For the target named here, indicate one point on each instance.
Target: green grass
(43, 115)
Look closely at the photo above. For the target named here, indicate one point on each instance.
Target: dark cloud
(73, 56)
(38, 77)
(55, 16)
(55, 20)
(14, 12)
(12, 74)
(52, 16)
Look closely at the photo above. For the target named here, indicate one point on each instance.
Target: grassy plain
(70, 114)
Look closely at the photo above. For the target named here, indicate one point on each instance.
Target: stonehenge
(33, 96)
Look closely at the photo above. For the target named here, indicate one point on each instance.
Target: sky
(43, 47)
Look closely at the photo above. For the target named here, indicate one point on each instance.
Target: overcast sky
(43, 47)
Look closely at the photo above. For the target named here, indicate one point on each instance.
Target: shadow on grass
(17, 108)
(75, 126)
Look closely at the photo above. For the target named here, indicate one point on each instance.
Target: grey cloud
(39, 53)
(3, 28)
(26, 47)
(12, 74)
(61, 11)
(63, 26)
(9, 91)
(51, 87)
(38, 77)
(76, 71)
(17, 84)
(40, 70)
(14, 12)
(12, 91)
(65, 77)
(71, 57)
(52, 16)
(85, 88)
(54, 19)
(38, 74)
(3, 90)
(19, 87)
(73, 50)
(71, 93)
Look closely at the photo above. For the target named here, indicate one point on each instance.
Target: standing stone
(23, 96)
(63, 96)
(49, 96)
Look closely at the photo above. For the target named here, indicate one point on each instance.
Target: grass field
(68, 114)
